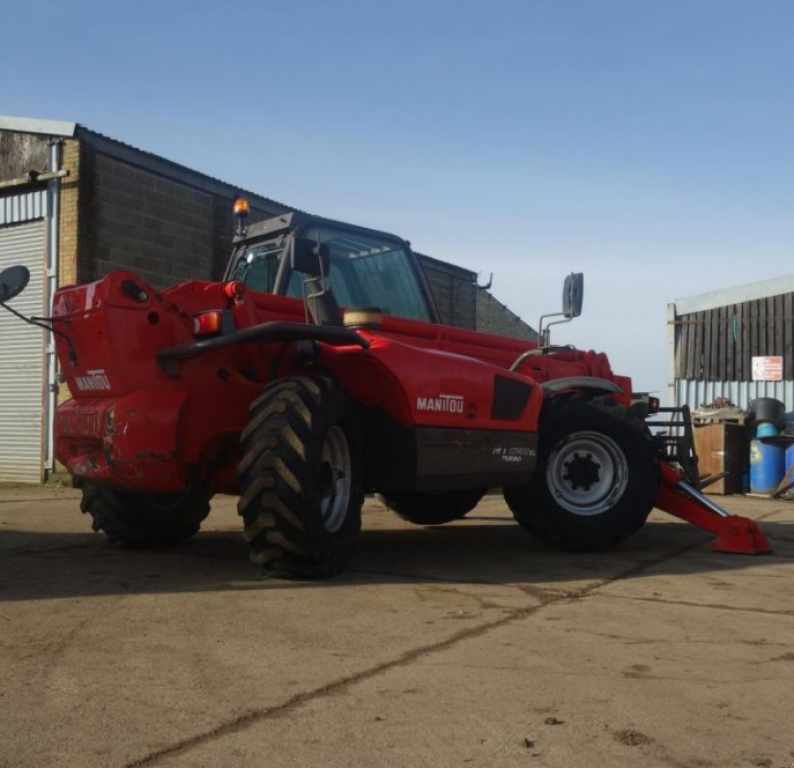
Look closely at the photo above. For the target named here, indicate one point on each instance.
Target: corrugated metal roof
(132, 153)
(37, 125)
(470, 274)
(183, 173)
(22, 206)
(728, 296)
(742, 393)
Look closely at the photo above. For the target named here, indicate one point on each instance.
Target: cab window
(258, 266)
(368, 271)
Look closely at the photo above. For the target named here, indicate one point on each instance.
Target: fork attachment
(678, 444)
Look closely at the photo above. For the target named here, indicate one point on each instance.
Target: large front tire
(301, 481)
(139, 520)
(596, 479)
(433, 508)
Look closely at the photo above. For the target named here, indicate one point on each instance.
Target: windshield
(368, 271)
(365, 271)
(258, 266)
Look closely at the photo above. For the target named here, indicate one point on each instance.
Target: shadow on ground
(45, 566)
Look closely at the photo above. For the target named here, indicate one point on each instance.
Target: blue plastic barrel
(789, 458)
(767, 462)
(767, 429)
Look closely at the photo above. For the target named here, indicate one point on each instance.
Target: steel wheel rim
(336, 465)
(587, 473)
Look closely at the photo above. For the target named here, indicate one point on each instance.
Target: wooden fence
(718, 344)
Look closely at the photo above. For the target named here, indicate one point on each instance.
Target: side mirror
(573, 295)
(311, 257)
(13, 281)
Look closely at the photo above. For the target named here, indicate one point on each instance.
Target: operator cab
(297, 255)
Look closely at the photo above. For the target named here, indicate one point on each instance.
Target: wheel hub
(335, 479)
(587, 473)
(583, 471)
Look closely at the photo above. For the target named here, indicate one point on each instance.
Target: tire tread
(279, 500)
(535, 511)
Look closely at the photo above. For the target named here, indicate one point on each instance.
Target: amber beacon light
(241, 210)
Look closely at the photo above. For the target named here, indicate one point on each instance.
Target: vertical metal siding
(693, 393)
(22, 206)
(22, 359)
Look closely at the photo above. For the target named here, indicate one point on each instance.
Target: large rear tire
(596, 479)
(145, 519)
(433, 508)
(301, 480)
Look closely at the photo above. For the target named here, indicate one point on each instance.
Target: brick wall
(137, 220)
(453, 290)
(461, 302)
(70, 221)
(70, 225)
(495, 317)
(223, 223)
(124, 208)
(163, 229)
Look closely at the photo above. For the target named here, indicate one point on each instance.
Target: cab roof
(296, 220)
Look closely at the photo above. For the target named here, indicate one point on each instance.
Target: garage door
(22, 359)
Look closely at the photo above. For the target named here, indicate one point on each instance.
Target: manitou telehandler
(317, 372)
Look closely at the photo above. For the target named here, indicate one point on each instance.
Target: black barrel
(767, 409)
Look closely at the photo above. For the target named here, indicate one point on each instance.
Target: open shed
(736, 343)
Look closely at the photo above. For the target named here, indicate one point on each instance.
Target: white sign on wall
(767, 369)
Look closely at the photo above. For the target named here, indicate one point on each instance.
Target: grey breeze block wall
(495, 317)
(453, 289)
(161, 229)
(463, 303)
(164, 228)
(127, 208)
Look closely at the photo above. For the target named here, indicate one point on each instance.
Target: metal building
(28, 236)
(736, 343)
(74, 205)
(23, 240)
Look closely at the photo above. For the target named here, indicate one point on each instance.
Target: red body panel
(132, 426)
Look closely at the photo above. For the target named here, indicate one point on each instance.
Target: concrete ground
(464, 645)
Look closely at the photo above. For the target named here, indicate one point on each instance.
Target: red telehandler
(316, 372)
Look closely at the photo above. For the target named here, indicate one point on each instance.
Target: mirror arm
(543, 333)
(39, 322)
(567, 319)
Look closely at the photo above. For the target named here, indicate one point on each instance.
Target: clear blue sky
(647, 143)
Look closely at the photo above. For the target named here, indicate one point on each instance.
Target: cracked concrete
(465, 645)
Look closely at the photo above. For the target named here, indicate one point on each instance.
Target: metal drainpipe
(51, 285)
(672, 342)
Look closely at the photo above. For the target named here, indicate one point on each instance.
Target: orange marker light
(207, 322)
(241, 207)
(235, 289)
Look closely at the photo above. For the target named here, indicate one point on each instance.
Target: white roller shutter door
(22, 359)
